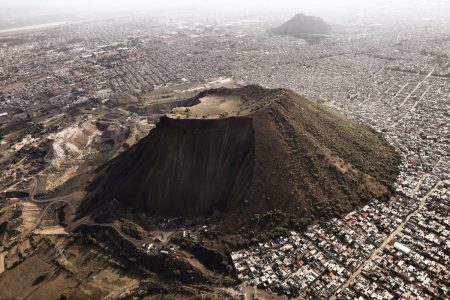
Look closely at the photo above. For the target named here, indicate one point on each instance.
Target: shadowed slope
(183, 167)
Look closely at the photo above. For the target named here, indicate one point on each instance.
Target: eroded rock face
(182, 168)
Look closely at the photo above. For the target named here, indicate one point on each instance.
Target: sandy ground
(222, 82)
(106, 284)
(53, 230)
(216, 105)
(54, 287)
(17, 283)
(24, 246)
(251, 292)
(2, 262)
(164, 235)
(9, 87)
(211, 107)
(69, 146)
(30, 215)
(56, 179)
(25, 141)
(73, 140)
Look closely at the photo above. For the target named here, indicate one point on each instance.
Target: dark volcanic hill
(286, 153)
(302, 24)
(183, 167)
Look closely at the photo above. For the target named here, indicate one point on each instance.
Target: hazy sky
(334, 9)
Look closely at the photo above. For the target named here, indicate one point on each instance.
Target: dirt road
(2, 262)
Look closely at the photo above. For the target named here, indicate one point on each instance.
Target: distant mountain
(302, 24)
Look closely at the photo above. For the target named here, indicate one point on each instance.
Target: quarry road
(390, 237)
(47, 208)
(49, 201)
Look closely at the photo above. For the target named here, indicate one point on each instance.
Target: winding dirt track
(49, 201)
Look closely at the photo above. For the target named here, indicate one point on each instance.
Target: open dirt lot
(18, 282)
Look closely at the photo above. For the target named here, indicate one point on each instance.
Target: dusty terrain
(210, 107)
